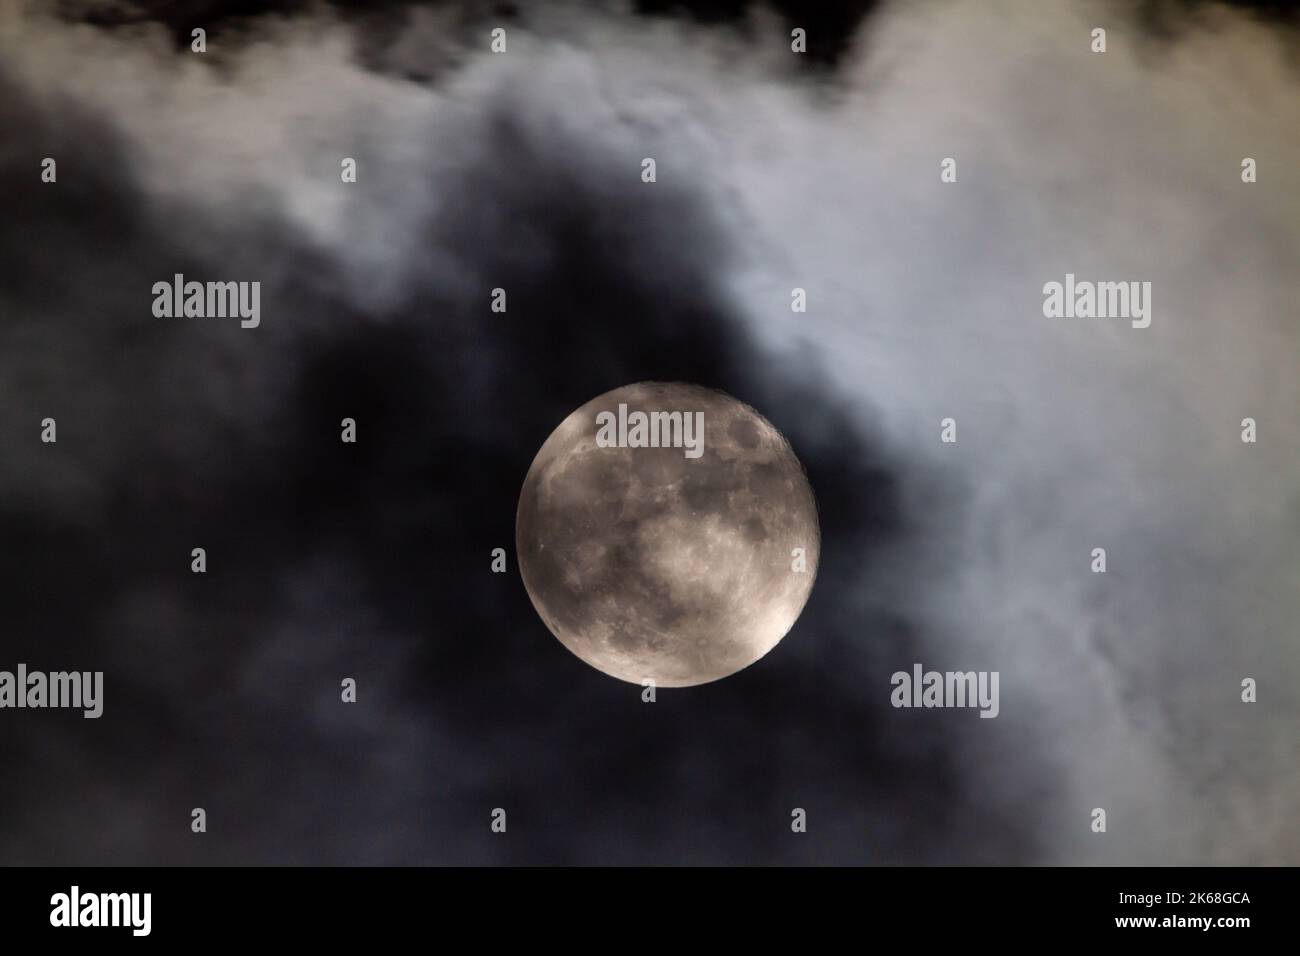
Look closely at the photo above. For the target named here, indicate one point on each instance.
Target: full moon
(679, 564)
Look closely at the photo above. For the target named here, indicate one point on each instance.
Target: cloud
(522, 172)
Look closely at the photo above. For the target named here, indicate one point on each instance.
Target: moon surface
(651, 565)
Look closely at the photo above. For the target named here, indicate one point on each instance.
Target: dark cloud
(830, 25)
(372, 560)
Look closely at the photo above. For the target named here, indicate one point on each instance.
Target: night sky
(522, 171)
